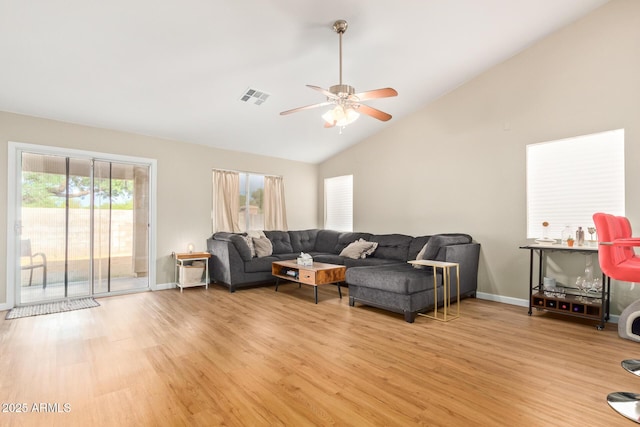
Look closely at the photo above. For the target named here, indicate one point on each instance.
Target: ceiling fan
(347, 103)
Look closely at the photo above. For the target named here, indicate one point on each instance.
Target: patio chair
(31, 261)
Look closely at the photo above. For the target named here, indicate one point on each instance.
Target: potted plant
(570, 241)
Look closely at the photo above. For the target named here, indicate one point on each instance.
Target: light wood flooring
(260, 358)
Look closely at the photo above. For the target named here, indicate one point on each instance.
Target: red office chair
(619, 261)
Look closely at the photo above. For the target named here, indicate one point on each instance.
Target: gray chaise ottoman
(400, 288)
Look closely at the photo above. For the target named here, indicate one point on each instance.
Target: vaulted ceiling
(178, 69)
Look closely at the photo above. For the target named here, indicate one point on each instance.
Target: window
(338, 203)
(244, 201)
(251, 215)
(569, 180)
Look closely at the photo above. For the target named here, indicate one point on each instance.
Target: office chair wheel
(626, 404)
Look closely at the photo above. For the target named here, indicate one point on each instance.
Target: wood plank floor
(257, 358)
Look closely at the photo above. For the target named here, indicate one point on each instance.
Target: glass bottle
(580, 236)
(566, 233)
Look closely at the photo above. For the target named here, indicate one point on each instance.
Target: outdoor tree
(257, 198)
(46, 190)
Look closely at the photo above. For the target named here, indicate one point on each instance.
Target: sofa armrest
(467, 256)
(226, 265)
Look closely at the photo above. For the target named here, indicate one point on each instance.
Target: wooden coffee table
(315, 275)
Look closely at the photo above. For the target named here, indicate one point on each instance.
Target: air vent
(254, 96)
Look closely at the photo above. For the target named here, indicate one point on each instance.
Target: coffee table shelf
(317, 274)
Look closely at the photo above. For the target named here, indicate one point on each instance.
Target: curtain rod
(254, 173)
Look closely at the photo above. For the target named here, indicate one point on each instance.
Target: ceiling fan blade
(324, 92)
(374, 94)
(376, 114)
(307, 107)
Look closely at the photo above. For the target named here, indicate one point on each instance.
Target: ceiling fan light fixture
(341, 116)
(347, 103)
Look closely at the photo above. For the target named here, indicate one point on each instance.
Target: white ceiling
(176, 69)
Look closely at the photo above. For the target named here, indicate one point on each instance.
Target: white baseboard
(521, 302)
(505, 300)
(164, 286)
(6, 306)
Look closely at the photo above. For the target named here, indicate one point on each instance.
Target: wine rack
(569, 304)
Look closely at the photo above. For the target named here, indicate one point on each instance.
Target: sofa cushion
(280, 241)
(432, 247)
(348, 237)
(329, 259)
(262, 247)
(416, 245)
(363, 262)
(238, 241)
(326, 241)
(303, 240)
(392, 246)
(359, 249)
(287, 257)
(397, 278)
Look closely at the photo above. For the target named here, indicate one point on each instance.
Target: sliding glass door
(121, 235)
(83, 225)
(55, 224)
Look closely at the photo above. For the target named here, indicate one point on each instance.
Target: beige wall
(459, 164)
(184, 181)
(456, 165)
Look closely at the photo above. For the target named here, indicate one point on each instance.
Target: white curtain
(275, 212)
(226, 201)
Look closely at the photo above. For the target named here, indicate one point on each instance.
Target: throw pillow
(422, 252)
(252, 249)
(421, 256)
(255, 234)
(263, 247)
(372, 249)
(359, 249)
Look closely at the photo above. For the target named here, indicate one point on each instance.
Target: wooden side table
(446, 286)
(190, 257)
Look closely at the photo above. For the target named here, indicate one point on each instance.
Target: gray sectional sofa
(383, 279)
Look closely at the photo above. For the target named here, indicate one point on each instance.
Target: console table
(571, 304)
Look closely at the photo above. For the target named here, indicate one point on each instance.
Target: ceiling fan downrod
(341, 90)
(340, 26)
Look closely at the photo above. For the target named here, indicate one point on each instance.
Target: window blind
(569, 180)
(338, 203)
